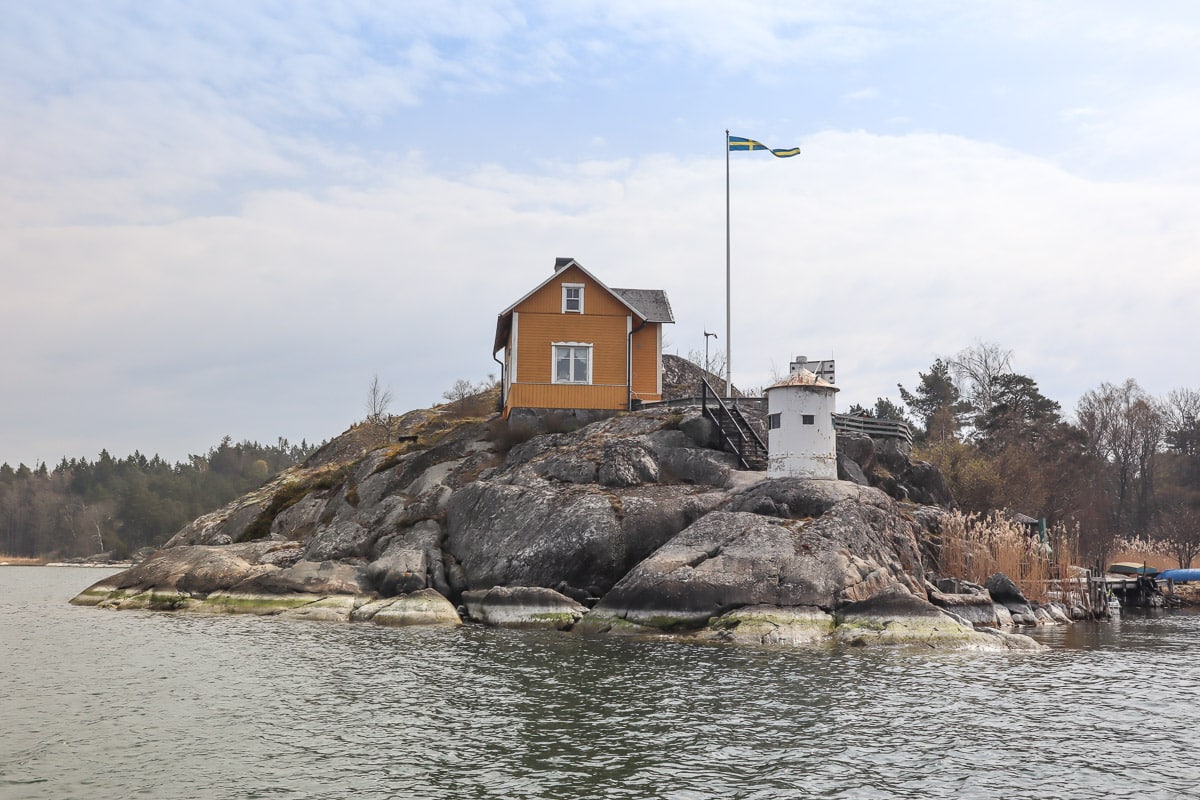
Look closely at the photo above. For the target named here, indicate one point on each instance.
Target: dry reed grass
(20, 561)
(974, 547)
(1137, 550)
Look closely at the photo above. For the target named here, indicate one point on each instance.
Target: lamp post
(706, 335)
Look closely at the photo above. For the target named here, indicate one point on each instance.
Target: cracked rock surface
(629, 523)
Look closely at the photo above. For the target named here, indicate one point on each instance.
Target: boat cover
(1130, 568)
(1179, 575)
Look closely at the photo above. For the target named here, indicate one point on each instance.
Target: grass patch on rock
(291, 493)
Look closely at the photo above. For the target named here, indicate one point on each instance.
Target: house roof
(650, 305)
(1024, 519)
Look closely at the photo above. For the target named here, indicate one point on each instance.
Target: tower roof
(804, 378)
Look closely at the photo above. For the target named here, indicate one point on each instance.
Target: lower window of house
(571, 363)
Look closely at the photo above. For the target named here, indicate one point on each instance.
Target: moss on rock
(424, 607)
(771, 625)
(262, 604)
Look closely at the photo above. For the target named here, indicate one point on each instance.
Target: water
(97, 704)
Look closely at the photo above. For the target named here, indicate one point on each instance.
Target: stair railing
(745, 433)
(752, 436)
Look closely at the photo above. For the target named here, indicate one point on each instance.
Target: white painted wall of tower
(796, 449)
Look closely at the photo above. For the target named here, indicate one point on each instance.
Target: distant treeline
(83, 507)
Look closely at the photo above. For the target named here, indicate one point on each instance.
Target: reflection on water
(103, 704)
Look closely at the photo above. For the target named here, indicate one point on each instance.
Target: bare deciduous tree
(713, 371)
(1181, 420)
(463, 388)
(715, 365)
(976, 369)
(87, 522)
(1178, 528)
(378, 400)
(1124, 426)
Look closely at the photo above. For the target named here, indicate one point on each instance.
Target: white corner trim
(659, 370)
(629, 354)
(513, 379)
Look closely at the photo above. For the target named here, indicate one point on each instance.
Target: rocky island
(631, 523)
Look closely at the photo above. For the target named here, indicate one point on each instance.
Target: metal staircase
(737, 435)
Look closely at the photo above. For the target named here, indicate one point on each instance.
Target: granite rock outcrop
(628, 523)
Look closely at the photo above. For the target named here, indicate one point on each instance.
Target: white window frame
(554, 362)
(567, 286)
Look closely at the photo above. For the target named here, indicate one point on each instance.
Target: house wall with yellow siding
(647, 366)
(539, 322)
(535, 345)
(566, 395)
(596, 300)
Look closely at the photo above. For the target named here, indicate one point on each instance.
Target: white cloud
(880, 251)
(743, 33)
(1156, 134)
(859, 95)
(199, 235)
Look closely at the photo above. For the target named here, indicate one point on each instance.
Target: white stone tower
(801, 442)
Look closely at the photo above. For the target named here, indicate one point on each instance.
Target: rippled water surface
(99, 704)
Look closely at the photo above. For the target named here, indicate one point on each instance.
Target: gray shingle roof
(650, 303)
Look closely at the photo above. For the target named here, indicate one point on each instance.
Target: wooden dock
(1134, 591)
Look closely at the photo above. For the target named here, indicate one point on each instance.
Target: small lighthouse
(801, 441)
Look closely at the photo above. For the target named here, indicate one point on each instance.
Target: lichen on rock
(530, 521)
(522, 607)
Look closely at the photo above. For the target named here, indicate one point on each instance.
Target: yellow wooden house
(573, 342)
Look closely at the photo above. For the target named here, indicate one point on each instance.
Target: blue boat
(1179, 575)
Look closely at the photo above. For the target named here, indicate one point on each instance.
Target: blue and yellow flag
(737, 143)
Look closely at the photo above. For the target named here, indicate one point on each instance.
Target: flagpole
(750, 145)
(728, 341)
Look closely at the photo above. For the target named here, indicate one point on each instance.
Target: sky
(224, 218)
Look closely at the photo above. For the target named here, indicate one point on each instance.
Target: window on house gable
(572, 363)
(572, 298)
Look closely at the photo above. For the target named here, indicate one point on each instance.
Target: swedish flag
(737, 143)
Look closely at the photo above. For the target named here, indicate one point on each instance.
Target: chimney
(561, 262)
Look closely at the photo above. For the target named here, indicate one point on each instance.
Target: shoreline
(37, 562)
(890, 619)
